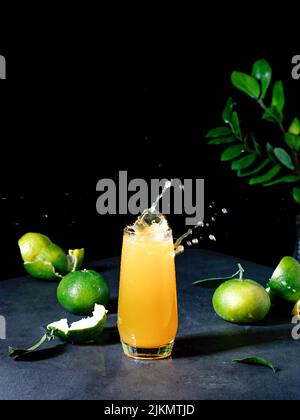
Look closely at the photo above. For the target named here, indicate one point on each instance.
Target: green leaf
(268, 176)
(232, 152)
(293, 141)
(228, 111)
(284, 158)
(248, 146)
(285, 179)
(256, 145)
(262, 71)
(244, 162)
(278, 98)
(246, 84)
(219, 132)
(256, 170)
(295, 127)
(223, 140)
(270, 151)
(236, 124)
(296, 195)
(258, 361)
(273, 115)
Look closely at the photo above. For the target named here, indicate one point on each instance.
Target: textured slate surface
(200, 369)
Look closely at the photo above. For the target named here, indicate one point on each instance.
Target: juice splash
(167, 186)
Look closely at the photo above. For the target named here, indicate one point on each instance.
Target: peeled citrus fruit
(45, 260)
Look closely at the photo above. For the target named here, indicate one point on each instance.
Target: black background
(81, 108)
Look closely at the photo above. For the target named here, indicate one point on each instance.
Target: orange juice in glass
(148, 316)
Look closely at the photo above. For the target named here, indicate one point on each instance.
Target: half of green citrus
(285, 281)
(84, 331)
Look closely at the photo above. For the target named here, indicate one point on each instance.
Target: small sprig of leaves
(260, 162)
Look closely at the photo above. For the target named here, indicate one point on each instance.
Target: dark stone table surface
(201, 367)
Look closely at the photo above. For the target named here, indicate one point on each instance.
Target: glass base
(157, 353)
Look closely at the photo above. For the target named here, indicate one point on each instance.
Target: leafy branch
(259, 161)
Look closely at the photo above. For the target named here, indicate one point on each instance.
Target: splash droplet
(186, 235)
(179, 250)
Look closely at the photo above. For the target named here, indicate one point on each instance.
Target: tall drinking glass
(148, 315)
